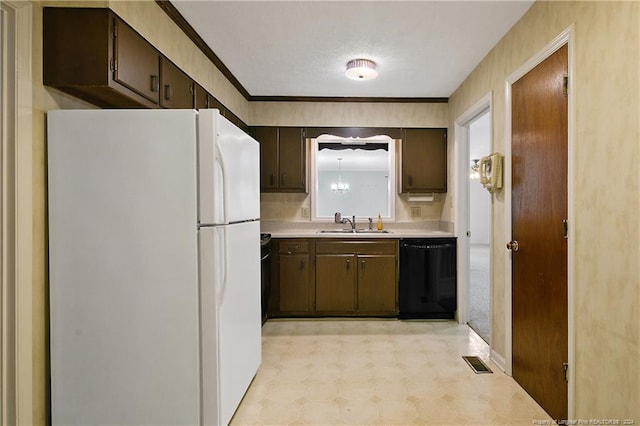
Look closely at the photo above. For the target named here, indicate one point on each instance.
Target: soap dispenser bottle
(379, 224)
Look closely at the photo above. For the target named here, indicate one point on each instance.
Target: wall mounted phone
(491, 171)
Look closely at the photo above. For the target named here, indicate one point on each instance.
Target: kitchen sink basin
(353, 231)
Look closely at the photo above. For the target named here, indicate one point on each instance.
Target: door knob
(512, 245)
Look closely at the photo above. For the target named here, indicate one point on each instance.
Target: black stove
(265, 253)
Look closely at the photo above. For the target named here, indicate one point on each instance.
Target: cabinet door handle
(289, 253)
(168, 93)
(283, 178)
(363, 264)
(302, 265)
(154, 83)
(348, 263)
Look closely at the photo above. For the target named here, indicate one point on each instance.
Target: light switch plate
(304, 212)
(416, 212)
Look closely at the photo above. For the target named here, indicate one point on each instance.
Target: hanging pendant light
(475, 169)
(339, 186)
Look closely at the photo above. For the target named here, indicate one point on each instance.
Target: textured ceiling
(300, 48)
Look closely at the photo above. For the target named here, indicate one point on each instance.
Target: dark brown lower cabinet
(319, 277)
(335, 283)
(294, 283)
(291, 286)
(356, 277)
(377, 290)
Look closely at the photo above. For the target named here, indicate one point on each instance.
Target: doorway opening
(473, 220)
(479, 295)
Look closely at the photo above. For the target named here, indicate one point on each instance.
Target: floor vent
(477, 365)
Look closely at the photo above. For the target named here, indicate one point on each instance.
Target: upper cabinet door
(292, 158)
(424, 160)
(137, 62)
(268, 138)
(200, 97)
(176, 88)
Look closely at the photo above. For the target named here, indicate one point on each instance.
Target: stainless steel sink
(353, 231)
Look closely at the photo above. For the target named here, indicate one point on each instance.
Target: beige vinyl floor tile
(379, 372)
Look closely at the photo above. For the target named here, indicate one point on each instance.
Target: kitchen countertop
(283, 229)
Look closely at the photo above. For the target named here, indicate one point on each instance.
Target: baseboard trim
(498, 360)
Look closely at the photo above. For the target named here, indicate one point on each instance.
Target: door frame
(17, 397)
(462, 218)
(566, 37)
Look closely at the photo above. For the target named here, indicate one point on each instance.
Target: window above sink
(353, 176)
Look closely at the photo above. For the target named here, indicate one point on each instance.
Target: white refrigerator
(154, 262)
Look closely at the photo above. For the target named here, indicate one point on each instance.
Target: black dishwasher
(427, 287)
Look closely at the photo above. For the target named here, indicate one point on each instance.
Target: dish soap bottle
(379, 224)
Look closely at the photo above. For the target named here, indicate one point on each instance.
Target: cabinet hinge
(565, 229)
(115, 29)
(565, 85)
(565, 369)
(114, 65)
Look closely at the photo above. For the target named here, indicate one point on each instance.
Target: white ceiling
(300, 48)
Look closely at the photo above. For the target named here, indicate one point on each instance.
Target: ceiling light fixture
(340, 186)
(361, 69)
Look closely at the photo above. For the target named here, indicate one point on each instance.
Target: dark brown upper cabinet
(200, 97)
(282, 159)
(176, 88)
(424, 160)
(268, 139)
(92, 54)
(135, 62)
(214, 103)
(292, 155)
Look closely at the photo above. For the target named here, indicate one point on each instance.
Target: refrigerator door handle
(221, 264)
(221, 189)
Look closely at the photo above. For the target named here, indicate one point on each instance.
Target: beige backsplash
(288, 207)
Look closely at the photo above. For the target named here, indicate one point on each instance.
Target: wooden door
(377, 293)
(268, 139)
(335, 283)
(292, 159)
(539, 206)
(424, 160)
(294, 283)
(138, 63)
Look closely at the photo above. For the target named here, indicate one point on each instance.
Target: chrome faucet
(339, 219)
